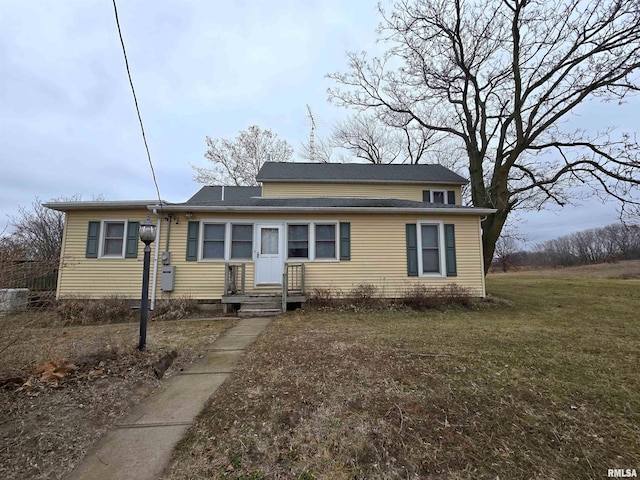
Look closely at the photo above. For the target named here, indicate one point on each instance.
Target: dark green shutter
(450, 247)
(412, 250)
(93, 233)
(132, 240)
(192, 240)
(345, 241)
(451, 197)
(426, 196)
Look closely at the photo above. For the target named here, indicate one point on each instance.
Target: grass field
(544, 384)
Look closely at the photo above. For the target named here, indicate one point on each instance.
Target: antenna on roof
(312, 121)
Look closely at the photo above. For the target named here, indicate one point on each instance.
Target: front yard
(544, 385)
(48, 423)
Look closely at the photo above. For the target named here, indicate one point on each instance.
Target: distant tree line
(596, 245)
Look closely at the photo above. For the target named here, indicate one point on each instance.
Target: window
(444, 197)
(269, 241)
(113, 238)
(325, 241)
(298, 241)
(241, 241)
(438, 197)
(213, 240)
(430, 248)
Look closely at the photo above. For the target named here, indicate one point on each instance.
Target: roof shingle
(357, 172)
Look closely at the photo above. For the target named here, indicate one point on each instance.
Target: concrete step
(260, 305)
(258, 312)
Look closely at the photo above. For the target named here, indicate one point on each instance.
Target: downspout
(166, 249)
(484, 287)
(154, 278)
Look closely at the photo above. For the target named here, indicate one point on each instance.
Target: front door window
(269, 241)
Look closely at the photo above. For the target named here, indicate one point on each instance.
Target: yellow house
(309, 226)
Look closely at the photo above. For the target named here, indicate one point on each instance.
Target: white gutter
(280, 209)
(154, 278)
(99, 205)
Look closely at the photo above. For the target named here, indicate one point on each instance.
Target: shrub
(175, 309)
(82, 311)
(421, 297)
(365, 295)
(322, 297)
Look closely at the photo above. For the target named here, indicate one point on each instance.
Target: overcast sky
(68, 125)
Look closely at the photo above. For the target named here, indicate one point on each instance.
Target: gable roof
(357, 172)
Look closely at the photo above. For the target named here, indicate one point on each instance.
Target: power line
(135, 99)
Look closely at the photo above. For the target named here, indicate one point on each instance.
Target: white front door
(269, 256)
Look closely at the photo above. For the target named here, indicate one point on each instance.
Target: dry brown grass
(543, 385)
(46, 427)
(623, 270)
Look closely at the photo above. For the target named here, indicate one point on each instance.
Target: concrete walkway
(140, 448)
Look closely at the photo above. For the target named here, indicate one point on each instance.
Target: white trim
(230, 240)
(154, 280)
(480, 232)
(441, 248)
(311, 224)
(282, 254)
(453, 210)
(101, 237)
(336, 239)
(201, 257)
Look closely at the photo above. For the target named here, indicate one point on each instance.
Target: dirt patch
(62, 388)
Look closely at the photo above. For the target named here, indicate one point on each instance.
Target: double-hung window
(430, 237)
(431, 249)
(213, 241)
(325, 236)
(241, 241)
(298, 241)
(113, 238)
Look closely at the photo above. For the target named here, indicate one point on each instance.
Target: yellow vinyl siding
(376, 190)
(378, 257)
(98, 277)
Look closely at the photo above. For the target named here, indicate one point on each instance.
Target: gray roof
(214, 203)
(357, 172)
(210, 195)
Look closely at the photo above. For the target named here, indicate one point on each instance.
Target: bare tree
(368, 139)
(389, 139)
(320, 152)
(508, 246)
(501, 78)
(237, 162)
(37, 231)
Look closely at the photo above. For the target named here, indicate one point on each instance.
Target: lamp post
(147, 235)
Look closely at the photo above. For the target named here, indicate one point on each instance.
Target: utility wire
(135, 99)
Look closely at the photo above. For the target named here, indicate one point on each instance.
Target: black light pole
(147, 235)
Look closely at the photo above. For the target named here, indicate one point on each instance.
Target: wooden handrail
(233, 273)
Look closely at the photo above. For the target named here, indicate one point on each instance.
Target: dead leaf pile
(54, 371)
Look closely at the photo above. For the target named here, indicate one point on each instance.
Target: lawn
(544, 384)
(46, 427)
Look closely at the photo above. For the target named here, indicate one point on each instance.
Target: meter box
(168, 278)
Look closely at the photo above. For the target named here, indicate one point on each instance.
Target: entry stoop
(260, 306)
